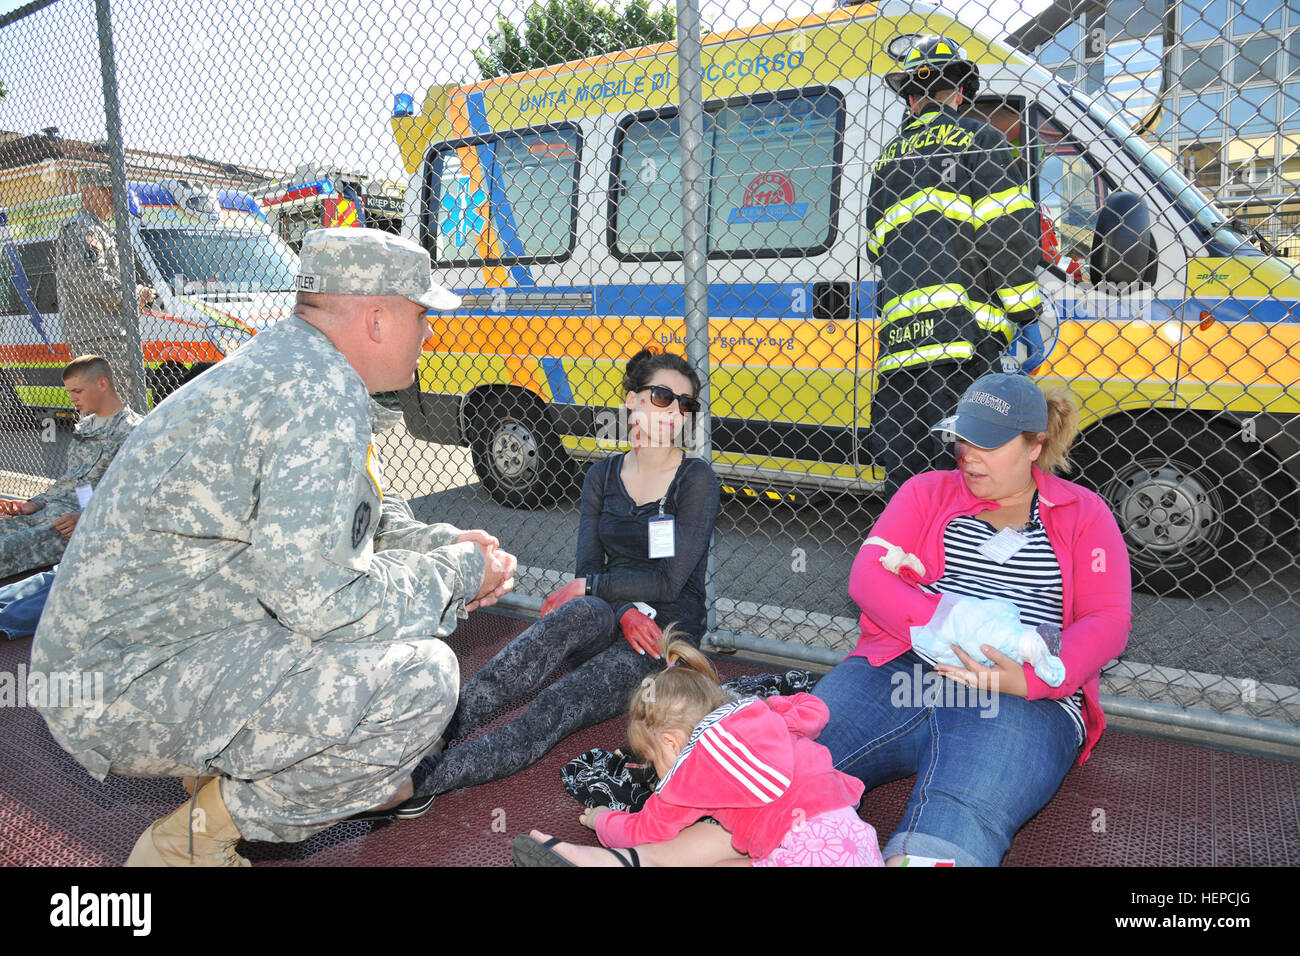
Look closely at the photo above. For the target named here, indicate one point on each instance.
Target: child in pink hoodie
(753, 765)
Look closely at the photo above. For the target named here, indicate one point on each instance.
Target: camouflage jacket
(94, 443)
(86, 266)
(243, 520)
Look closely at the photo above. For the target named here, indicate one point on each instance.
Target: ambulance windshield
(1106, 110)
(210, 262)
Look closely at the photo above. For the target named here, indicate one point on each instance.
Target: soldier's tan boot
(167, 842)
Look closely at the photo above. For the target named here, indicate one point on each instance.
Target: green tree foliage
(555, 31)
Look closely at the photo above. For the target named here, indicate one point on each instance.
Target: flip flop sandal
(529, 852)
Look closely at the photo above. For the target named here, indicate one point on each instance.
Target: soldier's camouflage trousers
(28, 542)
(338, 735)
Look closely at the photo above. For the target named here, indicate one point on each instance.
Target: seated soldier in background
(33, 533)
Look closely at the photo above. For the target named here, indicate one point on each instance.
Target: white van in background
(220, 273)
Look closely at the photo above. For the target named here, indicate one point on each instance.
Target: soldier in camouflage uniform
(33, 533)
(261, 611)
(90, 285)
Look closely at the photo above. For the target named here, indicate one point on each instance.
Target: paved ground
(1136, 802)
(794, 563)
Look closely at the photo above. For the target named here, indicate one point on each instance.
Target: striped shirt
(1030, 579)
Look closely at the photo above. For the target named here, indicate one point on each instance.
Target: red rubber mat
(1137, 802)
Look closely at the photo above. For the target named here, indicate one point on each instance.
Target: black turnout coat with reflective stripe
(953, 231)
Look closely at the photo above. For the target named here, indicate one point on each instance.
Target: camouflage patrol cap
(353, 261)
(96, 176)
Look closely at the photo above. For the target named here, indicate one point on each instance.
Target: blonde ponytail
(677, 698)
(1062, 426)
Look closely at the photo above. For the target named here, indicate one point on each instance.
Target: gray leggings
(582, 634)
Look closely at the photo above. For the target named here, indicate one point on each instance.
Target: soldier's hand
(64, 524)
(479, 537)
(561, 596)
(8, 506)
(498, 577)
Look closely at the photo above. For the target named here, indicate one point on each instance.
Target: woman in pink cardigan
(989, 741)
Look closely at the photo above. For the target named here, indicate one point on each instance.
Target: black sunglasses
(662, 396)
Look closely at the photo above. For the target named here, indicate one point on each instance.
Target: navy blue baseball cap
(995, 409)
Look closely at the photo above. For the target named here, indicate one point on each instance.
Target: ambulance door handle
(578, 301)
(832, 301)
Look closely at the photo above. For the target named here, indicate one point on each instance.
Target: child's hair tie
(671, 664)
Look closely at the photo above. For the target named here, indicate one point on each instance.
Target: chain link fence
(547, 156)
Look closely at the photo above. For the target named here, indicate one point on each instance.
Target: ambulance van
(551, 201)
(219, 272)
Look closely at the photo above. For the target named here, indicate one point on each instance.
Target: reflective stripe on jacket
(953, 232)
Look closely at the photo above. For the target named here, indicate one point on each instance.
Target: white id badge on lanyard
(1003, 545)
(662, 544)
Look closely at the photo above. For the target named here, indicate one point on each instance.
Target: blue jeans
(984, 764)
(21, 604)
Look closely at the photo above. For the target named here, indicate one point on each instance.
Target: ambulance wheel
(517, 454)
(1193, 511)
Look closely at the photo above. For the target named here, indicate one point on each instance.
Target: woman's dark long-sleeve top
(614, 550)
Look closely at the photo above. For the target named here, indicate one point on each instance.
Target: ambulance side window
(774, 175)
(774, 178)
(510, 198)
(1069, 189)
(648, 211)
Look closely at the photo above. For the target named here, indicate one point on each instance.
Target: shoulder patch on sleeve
(361, 523)
(357, 514)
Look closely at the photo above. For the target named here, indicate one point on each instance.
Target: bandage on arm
(895, 558)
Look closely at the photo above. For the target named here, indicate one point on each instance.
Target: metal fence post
(695, 281)
(121, 212)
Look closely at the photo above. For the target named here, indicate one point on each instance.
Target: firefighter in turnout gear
(953, 231)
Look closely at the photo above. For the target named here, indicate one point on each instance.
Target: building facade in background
(45, 165)
(1226, 74)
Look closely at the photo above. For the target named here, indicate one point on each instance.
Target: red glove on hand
(575, 588)
(641, 632)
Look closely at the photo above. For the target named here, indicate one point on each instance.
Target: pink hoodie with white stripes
(755, 767)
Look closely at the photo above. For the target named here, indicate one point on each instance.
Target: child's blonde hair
(677, 698)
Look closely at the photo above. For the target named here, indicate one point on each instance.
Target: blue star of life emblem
(462, 212)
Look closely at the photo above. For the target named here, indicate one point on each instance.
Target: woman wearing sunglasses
(643, 540)
(1001, 525)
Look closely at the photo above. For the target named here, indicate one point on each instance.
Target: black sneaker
(411, 808)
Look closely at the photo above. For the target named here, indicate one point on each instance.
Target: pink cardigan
(1094, 570)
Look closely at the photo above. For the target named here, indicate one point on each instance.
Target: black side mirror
(1123, 251)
